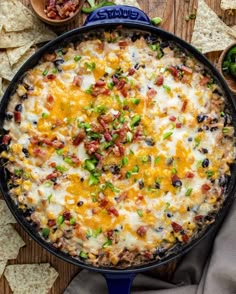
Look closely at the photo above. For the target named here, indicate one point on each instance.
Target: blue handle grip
(117, 13)
(119, 283)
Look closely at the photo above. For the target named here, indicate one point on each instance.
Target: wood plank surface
(173, 13)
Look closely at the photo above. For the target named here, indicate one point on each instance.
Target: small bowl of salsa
(227, 66)
(56, 12)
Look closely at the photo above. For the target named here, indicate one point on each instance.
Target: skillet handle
(119, 283)
(117, 13)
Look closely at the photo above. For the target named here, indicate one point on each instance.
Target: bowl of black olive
(227, 66)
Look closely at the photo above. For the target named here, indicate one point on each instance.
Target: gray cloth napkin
(209, 268)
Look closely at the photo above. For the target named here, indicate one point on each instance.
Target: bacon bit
(148, 255)
(173, 71)
(17, 116)
(172, 118)
(151, 93)
(91, 147)
(185, 238)
(205, 188)
(183, 108)
(34, 140)
(204, 81)
(141, 231)
(103, 203)
(51, 222)
(186, 69)
(47, 142)
(160, 80)
(97, 128)
(121, 149)
(50, 98)
(52, 14)
(178, 125)
(49, 57)
(110, 234)
(67, 215)
(124, 90)
(40, 153)
(139, 199)
(98, 156)
(107, 118)
(57, 144)
(125, 107)
(122, 197)
(176, 227)
(6, 139)
(97, 91)
(102, 123)
(108, 137)
(53, 175)
(75, 159)
(79, 138)
(52, 164)
(122, 44)
(198, 217)
(121, 84)
(95, 210)
(189, 175)
(51, 77)
(100, 83)
(138, 135)
(77, 81)
(131, 71)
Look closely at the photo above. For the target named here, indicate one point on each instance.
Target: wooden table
(173, 13)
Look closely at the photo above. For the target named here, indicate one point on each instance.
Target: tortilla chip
(6, 216)
(2, 266)
(22, 60)
(228, 4)
(30, 278)
(15, 54)
(1, 88)
(11, 16)
(10, 242)
(210, 32)
(128, 2)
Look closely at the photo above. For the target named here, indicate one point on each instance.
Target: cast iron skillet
(118, 280)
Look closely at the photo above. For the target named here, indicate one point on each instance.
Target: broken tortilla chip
(15, 54)
(127, 2)
(6, 216)
(30, 278)
(228, 4)
(2, 266)
(11, 16)
(210, 32)
(10, 242)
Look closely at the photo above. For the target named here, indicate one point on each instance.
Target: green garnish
(139, 212)
(209, 173)
(188, 192)
(89, 164)
(45, 232)
(129, 137)
(167, 206)
(125, 161)
(97, 232)
(45, 72)
(107, 243)
(59, 151)
(68, 160)
(111, 186)
(225, 130)
(89, 233)
(135, 169)
(167, 135)
(157, 159)
(83, 254)
(135, 120)
(77, 58)
(60, 220)
(18, 172)
(89, 90)
(174, 171)
(54, 71)
(72, 221)
(156, 20)
(45, 115)
(90, 66)
(93, 180)
(167, 88)
(135, 101)
(61, 168)
(145, 158)
(128, 175)
(110, 85)
(49, 198)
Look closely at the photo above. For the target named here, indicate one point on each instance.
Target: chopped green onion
(139, 212)
(125, 161)
(135, 169)
(77, 58)
(167, 206)
(157, 160)
(97, 232)
(68, 160)
(153, 47)
(225, 130)
(45, 232)
(188, 192)
(110, 85)
(60, 220)
(83, 254)
(107, 243)
(135, 101)
(145, 158)
(61, 168)
(84, 125)
(209, 173)
(111, 186)
(49, 198)
(222, 114)
(90, 66)
(89, 165)
(54, 71)
(174, 171)
(167, 135)
(45, 72)
(93, 180)
(167, 88)
(129, 137)
(45, 115)
(59, 151)
(135, 120)
(156, 20)
(128, 175)
(89, 233)
(197, 140)
(72, 221)
(89, 90)
(94, 199)
(131, 152)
